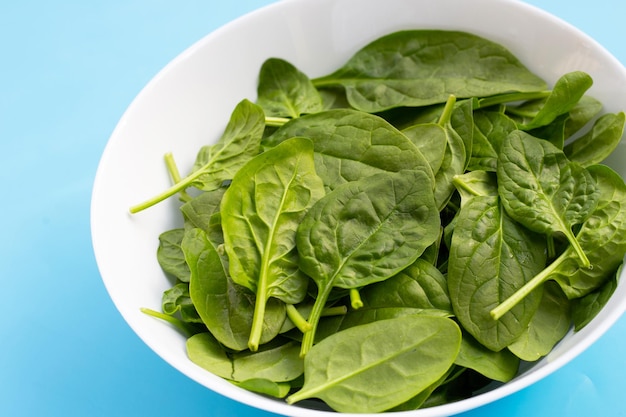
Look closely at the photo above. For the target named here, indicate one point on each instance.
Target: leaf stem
(355, 299)
(511, 97)
(526, 289)
(175, 174)
(446, 114)
(276, 121)
(314, 318)
(297, 319)
(179, 324)
(183, 184)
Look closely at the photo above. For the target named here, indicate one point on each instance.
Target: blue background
(68, 70)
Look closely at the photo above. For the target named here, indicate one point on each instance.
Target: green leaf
(285, 91)
(602, 237)
(544, 191)
(548, 326)
(565, 94)
(423, 67)
(491, 128)
(261, 211)
(177, 299)
(596, 145)
(366, 231)
(170, 256)
(420, 285)
(350, 145)
(279, 363)
(490, 257)
(431, 140)
(227, 309)
(404, 355)
(203, 212)
(586, 308)
(217, 163)
(265, 387)
(500, 366)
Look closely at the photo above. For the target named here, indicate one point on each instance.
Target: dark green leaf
(170, 256)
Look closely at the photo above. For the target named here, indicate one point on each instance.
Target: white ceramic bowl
(189, 102)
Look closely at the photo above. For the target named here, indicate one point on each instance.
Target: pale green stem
(179, 186)
(179, 324)
(276, 121)
(446, 115)
(512, 97)
(175, 174)
(527, 288)
(355, 299)
(297, 319)
(334, 311)
(314, 318)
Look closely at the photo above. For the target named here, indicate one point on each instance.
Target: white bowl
(189, 102)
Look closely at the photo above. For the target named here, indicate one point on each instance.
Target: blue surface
(68, 71)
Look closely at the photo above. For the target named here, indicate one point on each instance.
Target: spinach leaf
(405, 355)
(423, 67)
(583, 112)
(566, 93)
(203, 212)
(544, 191)
(227, 309)
(491, 128)
(261, 211)
(284, 91)
(365, 231)
(602, 237)
(177, 299)
(548, 326)
(586, 308)
(217, 163)
(490, 257)
(499, 366)
(170, 256)
(431, 140)
(420, 285)
(279, 363)
(265, 387)
(350, 145)
(597, 144)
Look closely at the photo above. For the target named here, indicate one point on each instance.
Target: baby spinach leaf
(602, 237)
(423, 67)
(548, 326)
(490, 257)
(285, 91)
(583, 112)
(499, 366)
(261, 211)
(227, 309)
(491, 128)
(405, 355)
(431, 140)
(265, 387)
(279, 363)
(420, 285)
(217, 163)
(566, 93)
(597, 144)
(586, 308)
(177, 299)
(170, 256)
(350, 145)
(542, 190)
(365, 231)
(203, 212)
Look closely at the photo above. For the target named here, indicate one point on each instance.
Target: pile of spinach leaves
(399, 233)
